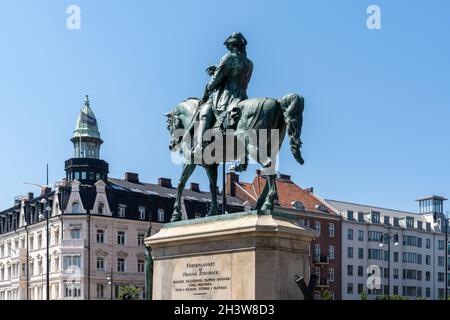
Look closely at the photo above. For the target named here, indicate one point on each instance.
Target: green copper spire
(86, 136)
(86, 123)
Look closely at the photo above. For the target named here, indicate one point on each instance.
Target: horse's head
(178, 121)
(174, 124)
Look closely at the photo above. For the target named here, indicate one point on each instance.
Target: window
(428, 243)
(140, 265)
(428, 292)
(361, 235)
(75, 207)
(441, 277)
(410, 241)
(375, 236)
(360, 253)
(72, 289)
(396, 222)
(140, 239)
(419, 242)
(375, 217)
(141, 213)
(317, 249)
(71, 262)
(56, 236)
(100, 208)
(122, 210)
(419, 275)
(387, 220)
(100, 236)
(39, 241)
(349, 252)
(361, 216)
(331, 274)
(375, 254)
(360, 271)
(428, 259)
(419, 225)
(349, 234)
(360, 288)
(350, 270)
(350, 215)
(331, 230)
(349, 288)
(317, 227)
(75, 233)
(395, 256)
(161, 215)
(120, 265)
(100, 291)
(396, 273)
(100, 263)
(441, 245)
(409, 222)
(428, 226)
(121, 238)
(441, 261)
(427, 276)
(410, 257)
(331, 252)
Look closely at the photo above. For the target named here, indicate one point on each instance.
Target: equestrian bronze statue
(227, 126)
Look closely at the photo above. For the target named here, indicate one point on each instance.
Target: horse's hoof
(212, 213)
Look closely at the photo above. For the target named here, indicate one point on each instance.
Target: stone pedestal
(234, 256)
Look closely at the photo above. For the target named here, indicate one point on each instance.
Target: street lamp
(444, 225)
(109, 280)
(47, 217)
(389, 237)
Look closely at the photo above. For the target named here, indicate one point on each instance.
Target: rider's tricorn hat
(236, 39)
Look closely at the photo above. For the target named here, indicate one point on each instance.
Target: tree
(326, 295)
(129, 293)
(363, 295)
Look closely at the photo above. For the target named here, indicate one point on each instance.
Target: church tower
(86, 165)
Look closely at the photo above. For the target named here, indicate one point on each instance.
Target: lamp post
(444, 225)
(110, 282)
(47, 210)
(389, 237)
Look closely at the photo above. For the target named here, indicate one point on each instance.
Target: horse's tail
(292, 106)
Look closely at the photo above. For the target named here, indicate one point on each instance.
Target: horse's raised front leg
(272, 195)
(211, 171)
(188, 168)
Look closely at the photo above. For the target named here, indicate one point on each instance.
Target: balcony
(323, 283)
(73, 243)
(321, 259)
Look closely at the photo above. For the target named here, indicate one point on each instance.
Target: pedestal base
(234, 256)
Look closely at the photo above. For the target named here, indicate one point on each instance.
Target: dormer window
(75, 207)
(375, 217)
(298, 205)
(350, 215)
(387, 220)
(409, 222)
(100, 208)
(122, 210)
(322, 208)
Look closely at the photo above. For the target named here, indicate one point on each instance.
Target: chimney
(165, 182)
(45, 190)
(282, 176)
(30, 196)
(310, 190)
(230, 187)
(194, 187)
(132, 177)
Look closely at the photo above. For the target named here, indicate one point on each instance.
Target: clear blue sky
(376, 122)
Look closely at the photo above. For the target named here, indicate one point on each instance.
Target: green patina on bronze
(225, 106)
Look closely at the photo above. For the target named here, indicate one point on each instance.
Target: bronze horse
(285, 114)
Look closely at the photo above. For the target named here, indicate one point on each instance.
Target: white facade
(416, 262)
(116, 246)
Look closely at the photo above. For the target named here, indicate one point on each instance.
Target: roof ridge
(371, 206)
